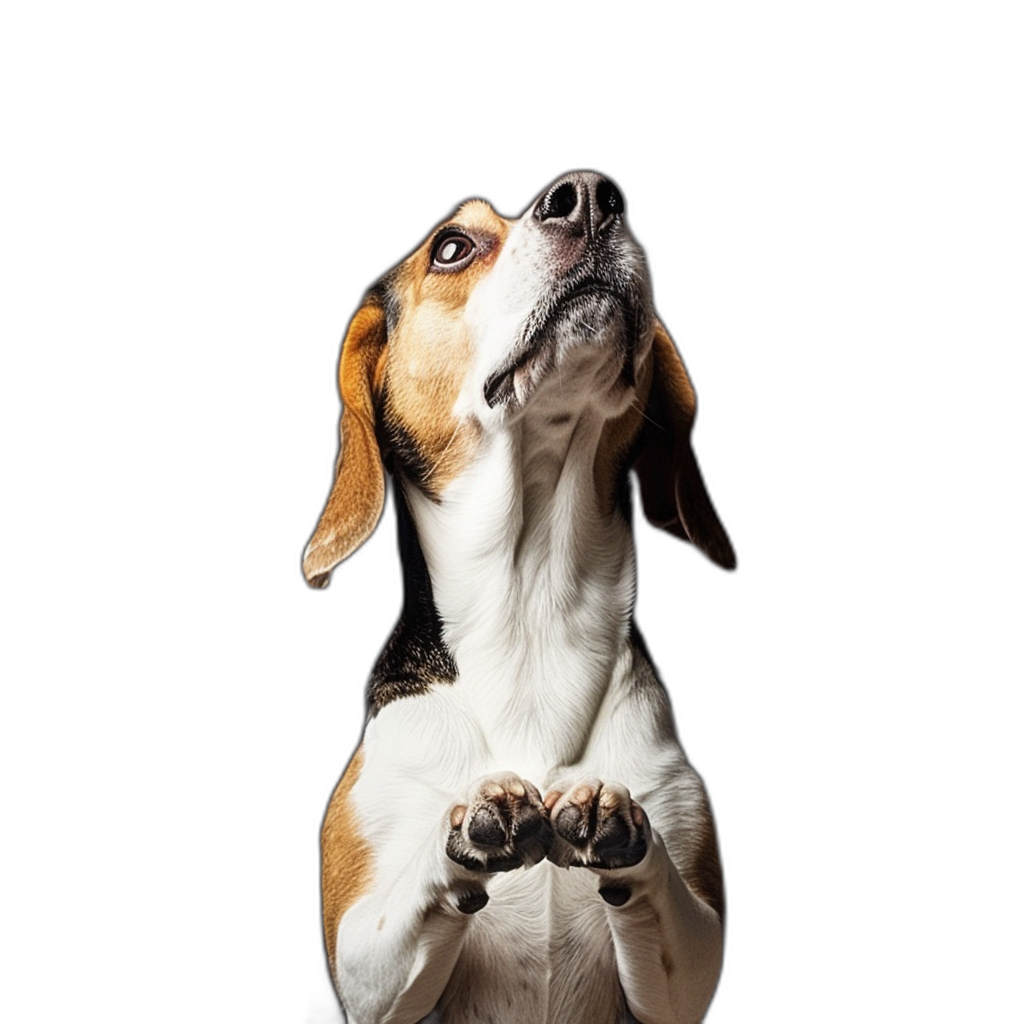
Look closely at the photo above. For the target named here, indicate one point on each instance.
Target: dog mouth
(591, 302)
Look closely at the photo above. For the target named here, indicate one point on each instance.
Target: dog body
(519, 837)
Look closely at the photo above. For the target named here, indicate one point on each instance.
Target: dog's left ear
(357, 497)
(671, 488)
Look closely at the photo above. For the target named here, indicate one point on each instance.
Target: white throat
(534, 583)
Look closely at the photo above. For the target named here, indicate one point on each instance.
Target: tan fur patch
(704, 872)
(347, 863)
(430, 349)
(357, 496)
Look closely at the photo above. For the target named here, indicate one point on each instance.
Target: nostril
(559, 202)
(609, 198)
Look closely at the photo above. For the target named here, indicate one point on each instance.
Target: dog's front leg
(397, 945)
(668, 941)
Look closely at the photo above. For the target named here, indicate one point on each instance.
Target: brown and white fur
(519, 838)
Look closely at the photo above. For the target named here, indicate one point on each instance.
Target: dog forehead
(479, 215)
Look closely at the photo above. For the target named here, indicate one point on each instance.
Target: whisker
(654, 423)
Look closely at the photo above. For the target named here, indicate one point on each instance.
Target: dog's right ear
(671, 487)
(357, 497)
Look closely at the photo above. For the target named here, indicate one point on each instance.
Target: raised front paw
(596, 825)
(502, 825)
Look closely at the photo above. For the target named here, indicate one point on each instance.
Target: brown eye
(452, 251)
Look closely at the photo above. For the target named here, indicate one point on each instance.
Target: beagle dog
(519, 837)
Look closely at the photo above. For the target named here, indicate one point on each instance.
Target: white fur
(535, 603)
(535, 586)
(398, 946)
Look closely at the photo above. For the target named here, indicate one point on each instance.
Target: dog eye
(451, 250)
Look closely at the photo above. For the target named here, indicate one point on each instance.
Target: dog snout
(581, 203)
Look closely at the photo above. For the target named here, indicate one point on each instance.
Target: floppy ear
(671, 487)
(357, 497)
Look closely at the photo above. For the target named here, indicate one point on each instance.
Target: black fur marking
(402, 452)
(415, 657)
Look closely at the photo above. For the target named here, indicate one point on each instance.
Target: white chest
(544, 955)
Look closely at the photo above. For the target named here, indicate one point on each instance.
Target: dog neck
(533, 580)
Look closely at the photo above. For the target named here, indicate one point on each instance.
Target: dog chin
(580, 347)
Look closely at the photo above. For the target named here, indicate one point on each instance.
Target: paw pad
(503, 825)
(596, 825)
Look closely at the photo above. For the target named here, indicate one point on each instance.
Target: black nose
(582, 202)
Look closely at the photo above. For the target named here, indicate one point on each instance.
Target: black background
(302, 218)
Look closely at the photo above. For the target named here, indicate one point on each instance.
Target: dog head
(491, 321)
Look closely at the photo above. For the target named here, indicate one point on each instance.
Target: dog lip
(587, 286)
(499, 386)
